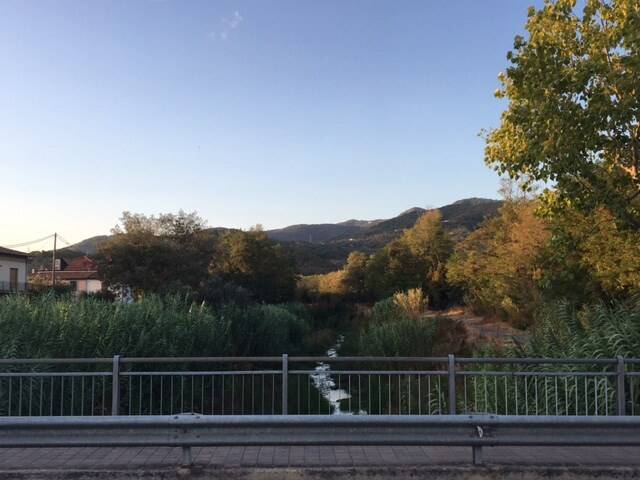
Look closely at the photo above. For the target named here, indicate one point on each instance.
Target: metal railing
(187, 431)
(13, 287)
(309, 385)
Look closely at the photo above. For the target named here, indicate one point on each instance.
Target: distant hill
(320, 232)
(468, 213)
(320, 248)
(464, 214)
(321, 256)
(317, 233)
(90, 245)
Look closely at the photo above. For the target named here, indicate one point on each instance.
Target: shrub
(413, 301)
(394, 331)
(387, 311)
(422, 337)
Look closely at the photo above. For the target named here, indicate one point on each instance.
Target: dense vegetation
(46, 326)
(415, 260)
(599, 330)
(176, 253)
(396, 327)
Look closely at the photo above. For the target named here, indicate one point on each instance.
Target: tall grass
(392, 329)
(50, 327)
(603, 330)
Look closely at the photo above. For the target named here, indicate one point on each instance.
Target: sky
(270, 112)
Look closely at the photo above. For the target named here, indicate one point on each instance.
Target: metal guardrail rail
(186, 431)
(301, 385)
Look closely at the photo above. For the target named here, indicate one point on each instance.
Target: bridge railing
(310, 385)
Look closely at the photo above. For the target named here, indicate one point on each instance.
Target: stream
(326, 386)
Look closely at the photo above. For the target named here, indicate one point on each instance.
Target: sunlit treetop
(573, 87)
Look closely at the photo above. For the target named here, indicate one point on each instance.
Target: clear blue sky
(272, 112)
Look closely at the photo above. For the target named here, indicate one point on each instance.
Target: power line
(60, 237)
(29, 243)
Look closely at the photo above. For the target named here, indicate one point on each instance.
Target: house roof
(81, 264)
(65, 275)
(12, 253)
(81, 268)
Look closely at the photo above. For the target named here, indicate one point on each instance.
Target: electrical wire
(28, 243)
(64, 240)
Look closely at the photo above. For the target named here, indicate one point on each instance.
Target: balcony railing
(13, 287)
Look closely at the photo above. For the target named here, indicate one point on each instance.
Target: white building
(13, 270)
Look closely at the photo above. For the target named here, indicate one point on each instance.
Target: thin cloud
(229, 24)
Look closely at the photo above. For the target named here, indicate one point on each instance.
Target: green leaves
(498, 265)
(573, 115)
(252, 261)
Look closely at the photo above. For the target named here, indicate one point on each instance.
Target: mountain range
(320, 248)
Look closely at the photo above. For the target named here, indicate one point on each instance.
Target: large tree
(416, 259)
(160, 254)
(254, 262)
(573, 87)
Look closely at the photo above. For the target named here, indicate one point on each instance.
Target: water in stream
(326, 386)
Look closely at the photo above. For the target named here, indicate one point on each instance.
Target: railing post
(620, 393)
(115, 385)
(187, 458)
(477, 454)
(451, 374)
(285, 384)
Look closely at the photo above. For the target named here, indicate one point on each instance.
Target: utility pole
(53, 261)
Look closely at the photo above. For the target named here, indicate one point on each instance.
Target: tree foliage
(175, 253)
(590, 256)
(498, 265)
(416, 259)
(573, 88)
(160, 254)
(252, 261)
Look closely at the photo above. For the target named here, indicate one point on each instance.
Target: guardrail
(310, 385)
(187, 431)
